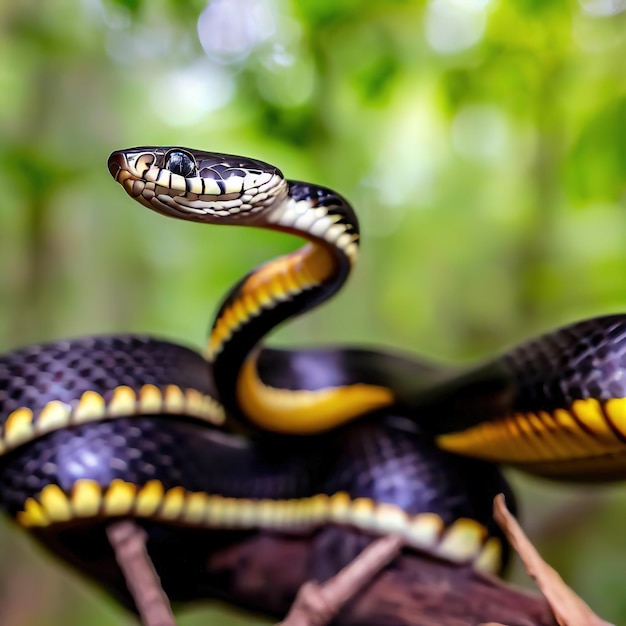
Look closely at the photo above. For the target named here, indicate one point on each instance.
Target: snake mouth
(119, 169)
(134, 185)
(136, 167)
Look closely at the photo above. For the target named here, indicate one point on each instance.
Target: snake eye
(181, 163)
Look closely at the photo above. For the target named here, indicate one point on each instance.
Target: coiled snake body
(154, 449)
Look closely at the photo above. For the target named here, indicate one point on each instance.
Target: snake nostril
(115, 164)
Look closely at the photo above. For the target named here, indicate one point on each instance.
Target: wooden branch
(265, 572)
(317, 605)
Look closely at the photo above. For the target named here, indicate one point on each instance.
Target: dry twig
(568, 608)
(129, 543)
(317, 605)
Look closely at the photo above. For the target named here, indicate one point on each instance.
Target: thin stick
(317, 605)
(569, 609)
(128, 541)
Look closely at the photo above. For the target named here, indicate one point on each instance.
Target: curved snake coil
(223, 189)
(554, 406)
(181, 476)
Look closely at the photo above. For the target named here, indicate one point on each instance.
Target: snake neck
(277, 291)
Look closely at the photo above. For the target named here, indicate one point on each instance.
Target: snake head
(196, 185)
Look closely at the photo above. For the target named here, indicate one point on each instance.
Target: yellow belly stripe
(173, 503)
(90, 406)
(426, 530)
(123, 401)
(119, 498)
(274, 282)
(54, 415)
(174, 399)
(87, 498)
(490, 558)
(390, 519)
(18, 427)
(585, 431)
(304, 412)
(339, 507)
(22, 426)
(362, 510)
(56, 504)
(616, 410)
(460, 538)
(463, 541)
(150, 399)
(590, 413)
(149, 498)
(33, 514)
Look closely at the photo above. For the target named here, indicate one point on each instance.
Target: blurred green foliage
(481, 142)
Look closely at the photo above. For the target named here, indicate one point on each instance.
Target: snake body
(46, 387)
(554, 406)
(178, 473)
(102, 428)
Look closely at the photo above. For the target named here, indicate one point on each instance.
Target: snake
(554, 405)
(101, 428)
(162, 457)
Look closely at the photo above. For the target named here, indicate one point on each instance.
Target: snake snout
(116, 163)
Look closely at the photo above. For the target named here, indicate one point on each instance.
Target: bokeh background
(481, 142)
